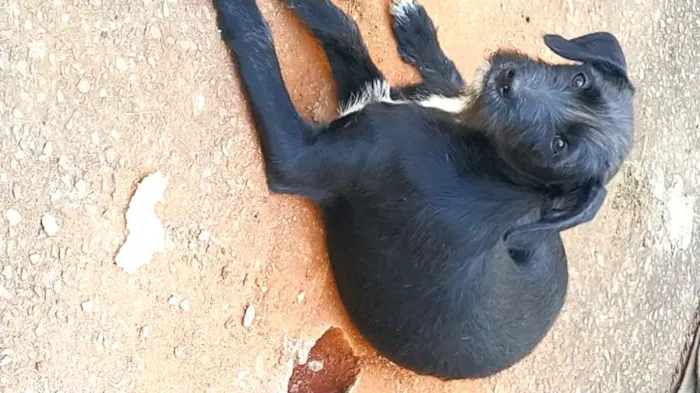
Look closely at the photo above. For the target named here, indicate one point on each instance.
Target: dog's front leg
(283, 133)
(299, 159)
(418, 46)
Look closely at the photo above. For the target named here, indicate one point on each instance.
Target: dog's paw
(401, 10)
(413, 29)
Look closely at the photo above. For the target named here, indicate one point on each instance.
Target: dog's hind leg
(353, 69)
(418, 46)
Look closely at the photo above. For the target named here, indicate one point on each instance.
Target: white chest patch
(376, 91)
(379, 91)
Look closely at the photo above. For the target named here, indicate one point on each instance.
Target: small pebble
(315, 365)
(84, 86)
(185, 305)
(154, 32)
(50, 225)
(81, 188)
(121, 64)
(48, 148)
(55, 196)
(13, 217)
(4, 293)
(249, 316)
(204, 236)
(179, 352)
(6, 357)
(88, 306)
(144, 332)
(16, 192)
(5, 360)
(35, 258)
(7, 272)
(301, 296)
(173, 301)
(95, 138)
(199, 103)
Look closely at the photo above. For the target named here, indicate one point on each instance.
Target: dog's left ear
(564, 212)
(595, 47)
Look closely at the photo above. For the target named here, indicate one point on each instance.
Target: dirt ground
(95, 95)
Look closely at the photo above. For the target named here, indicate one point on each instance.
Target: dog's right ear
(561, 213)
(599, 47)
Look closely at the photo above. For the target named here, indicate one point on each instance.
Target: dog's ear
(591, 48)
(563, 212)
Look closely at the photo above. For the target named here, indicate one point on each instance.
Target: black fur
(442, 228)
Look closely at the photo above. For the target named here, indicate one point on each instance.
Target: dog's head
(564, 128)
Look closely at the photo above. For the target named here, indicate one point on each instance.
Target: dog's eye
(558, 144)
(579, 81)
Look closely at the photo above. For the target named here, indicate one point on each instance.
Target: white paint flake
(680, 209)
(146, 234)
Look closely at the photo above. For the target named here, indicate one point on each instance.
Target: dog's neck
(513, 174)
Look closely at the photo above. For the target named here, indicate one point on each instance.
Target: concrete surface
(97, 94)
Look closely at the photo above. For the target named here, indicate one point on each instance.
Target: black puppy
(443, 203)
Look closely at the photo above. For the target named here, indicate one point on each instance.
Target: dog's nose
(507, 83)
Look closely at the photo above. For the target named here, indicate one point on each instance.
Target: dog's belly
(423, 302)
